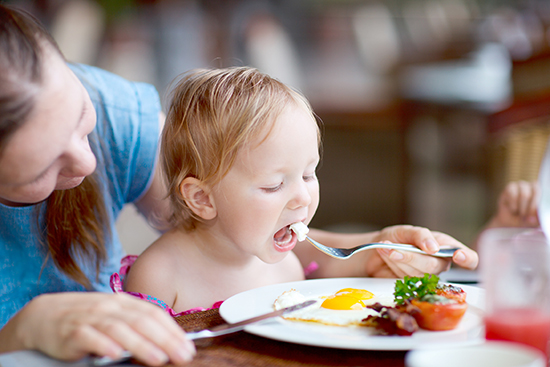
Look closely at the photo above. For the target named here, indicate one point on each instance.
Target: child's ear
(197, 196)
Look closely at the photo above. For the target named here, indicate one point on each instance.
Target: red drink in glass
(529, 326)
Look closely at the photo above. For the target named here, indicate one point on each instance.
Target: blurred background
(429, 106)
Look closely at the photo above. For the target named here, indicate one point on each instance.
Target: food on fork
(300, 229)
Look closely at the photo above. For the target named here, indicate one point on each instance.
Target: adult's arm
(384, 262)
(69, 326)
(153, 205)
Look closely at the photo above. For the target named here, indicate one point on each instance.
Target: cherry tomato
(439, 316)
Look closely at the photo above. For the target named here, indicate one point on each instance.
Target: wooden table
(244, 349)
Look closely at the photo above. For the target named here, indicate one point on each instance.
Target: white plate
(490, 353)
(260, 300)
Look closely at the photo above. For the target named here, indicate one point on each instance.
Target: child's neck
(216, 248)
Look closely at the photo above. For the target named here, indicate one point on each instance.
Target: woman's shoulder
(126, 133)
(115, 91)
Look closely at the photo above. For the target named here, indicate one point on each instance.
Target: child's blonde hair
(212, 115)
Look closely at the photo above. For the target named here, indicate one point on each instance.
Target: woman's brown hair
(76, 219)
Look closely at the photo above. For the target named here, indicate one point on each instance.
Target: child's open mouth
(284, 239)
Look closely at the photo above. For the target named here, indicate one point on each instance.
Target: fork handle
(445, 252)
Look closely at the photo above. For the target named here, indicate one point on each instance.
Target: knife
(231, 328)
(214, 331)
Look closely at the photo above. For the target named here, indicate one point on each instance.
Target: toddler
(239, 152)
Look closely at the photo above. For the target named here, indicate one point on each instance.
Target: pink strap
(117, 285)
(310, 268)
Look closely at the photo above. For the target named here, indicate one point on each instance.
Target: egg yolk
(343, 303)
(361, 294)
(347, 299)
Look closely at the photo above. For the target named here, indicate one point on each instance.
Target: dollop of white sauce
(300, 229)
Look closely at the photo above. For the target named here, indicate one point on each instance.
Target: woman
(76, 144)
(49, 149)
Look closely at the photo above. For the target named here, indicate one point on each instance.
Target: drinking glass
(515, 272)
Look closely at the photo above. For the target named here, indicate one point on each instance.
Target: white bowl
(487, 354)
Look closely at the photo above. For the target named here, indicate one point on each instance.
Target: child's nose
(301, 197)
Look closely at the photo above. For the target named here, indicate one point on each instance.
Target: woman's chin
(69, 183)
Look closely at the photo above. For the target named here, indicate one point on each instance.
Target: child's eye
(311, 177)
(273, 189)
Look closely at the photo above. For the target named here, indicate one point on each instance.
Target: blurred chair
(377, 38)
(518, 137)
(260, 39)
(269, 47)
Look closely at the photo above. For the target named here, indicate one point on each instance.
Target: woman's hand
(385, 263)
(69, 326)
(392, 263)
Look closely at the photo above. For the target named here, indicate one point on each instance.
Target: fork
(344, 253)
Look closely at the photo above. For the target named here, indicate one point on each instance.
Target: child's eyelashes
(311, 177)
(273, 188)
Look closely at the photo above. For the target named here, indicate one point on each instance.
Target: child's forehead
(292, 115)
(279, 127)
(292, 127)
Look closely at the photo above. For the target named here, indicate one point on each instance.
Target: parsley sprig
(414, 287)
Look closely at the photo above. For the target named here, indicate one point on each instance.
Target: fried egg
(345, 307)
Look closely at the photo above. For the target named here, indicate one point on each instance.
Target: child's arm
(517, 206)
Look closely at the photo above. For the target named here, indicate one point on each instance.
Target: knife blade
(214, 331)
(231, 328)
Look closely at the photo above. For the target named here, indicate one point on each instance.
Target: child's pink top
(117, 282)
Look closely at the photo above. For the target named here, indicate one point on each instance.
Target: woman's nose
(80, 160)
